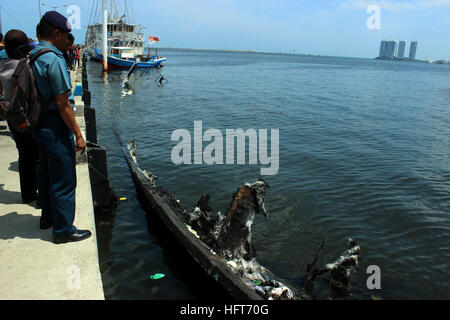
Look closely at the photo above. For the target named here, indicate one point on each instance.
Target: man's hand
(80, 144)
(66, 112)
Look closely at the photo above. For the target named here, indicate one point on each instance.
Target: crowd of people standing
(72, 53)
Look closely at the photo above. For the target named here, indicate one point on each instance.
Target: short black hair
(71, 37)
(45, 29)
(16, 44)
(1, 37)
(38, 29)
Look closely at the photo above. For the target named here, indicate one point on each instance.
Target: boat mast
(132, 11)
(105, 36)
(1, 20)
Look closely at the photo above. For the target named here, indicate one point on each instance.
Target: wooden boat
(118, 37)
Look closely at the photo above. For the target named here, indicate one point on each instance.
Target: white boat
(126, 41)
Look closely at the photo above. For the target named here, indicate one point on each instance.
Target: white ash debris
(206, 223)
(249, 270)
(192, 231)
(274, 290)
(349, 259)
(147, 174)
(344, 266)
(132, 148)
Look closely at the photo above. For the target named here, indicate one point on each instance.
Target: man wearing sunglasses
(57, 176)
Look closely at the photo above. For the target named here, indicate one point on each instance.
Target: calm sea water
(364, 153)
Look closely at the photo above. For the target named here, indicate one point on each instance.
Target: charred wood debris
(229, 236)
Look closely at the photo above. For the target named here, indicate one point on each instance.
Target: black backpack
(25, 107)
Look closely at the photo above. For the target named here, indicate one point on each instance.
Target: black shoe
(77, 235)
(45, 224)
(27, 200)
(38, 204)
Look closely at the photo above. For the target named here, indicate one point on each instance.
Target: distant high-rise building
(388, 49)
(412, 50)
(391, 49)
(401, 49)
(383, 46)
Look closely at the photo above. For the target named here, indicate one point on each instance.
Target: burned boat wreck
(221, 243)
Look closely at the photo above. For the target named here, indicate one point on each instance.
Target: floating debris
(340, 270)
(157, 276)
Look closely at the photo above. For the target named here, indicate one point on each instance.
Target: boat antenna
(115, 10)
(132, 11)
(126, 9)
(111, 11)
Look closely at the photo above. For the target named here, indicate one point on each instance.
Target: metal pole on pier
(105, 36)
(40, 13)
(1, 30)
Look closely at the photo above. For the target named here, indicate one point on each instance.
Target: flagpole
(149, 49)
(105, 36)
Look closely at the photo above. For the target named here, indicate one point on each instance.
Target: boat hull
(117, 63)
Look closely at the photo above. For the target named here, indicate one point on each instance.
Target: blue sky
(306, 26)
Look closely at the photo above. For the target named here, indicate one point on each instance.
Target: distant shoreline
(442, 61)
(400, 59)
(300, 54)
(253, 51)
(199, 49)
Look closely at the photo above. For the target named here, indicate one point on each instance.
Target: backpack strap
(39, 53)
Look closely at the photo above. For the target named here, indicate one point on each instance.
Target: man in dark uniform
(67, 52)
(1, 54)
(57, 176)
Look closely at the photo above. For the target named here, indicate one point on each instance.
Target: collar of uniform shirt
(46, 44)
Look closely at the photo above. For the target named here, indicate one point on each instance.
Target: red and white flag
(153, 39)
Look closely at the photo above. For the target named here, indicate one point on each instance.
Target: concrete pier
(31, 266)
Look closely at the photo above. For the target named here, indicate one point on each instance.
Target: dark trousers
(57, 175)
(28, 164)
